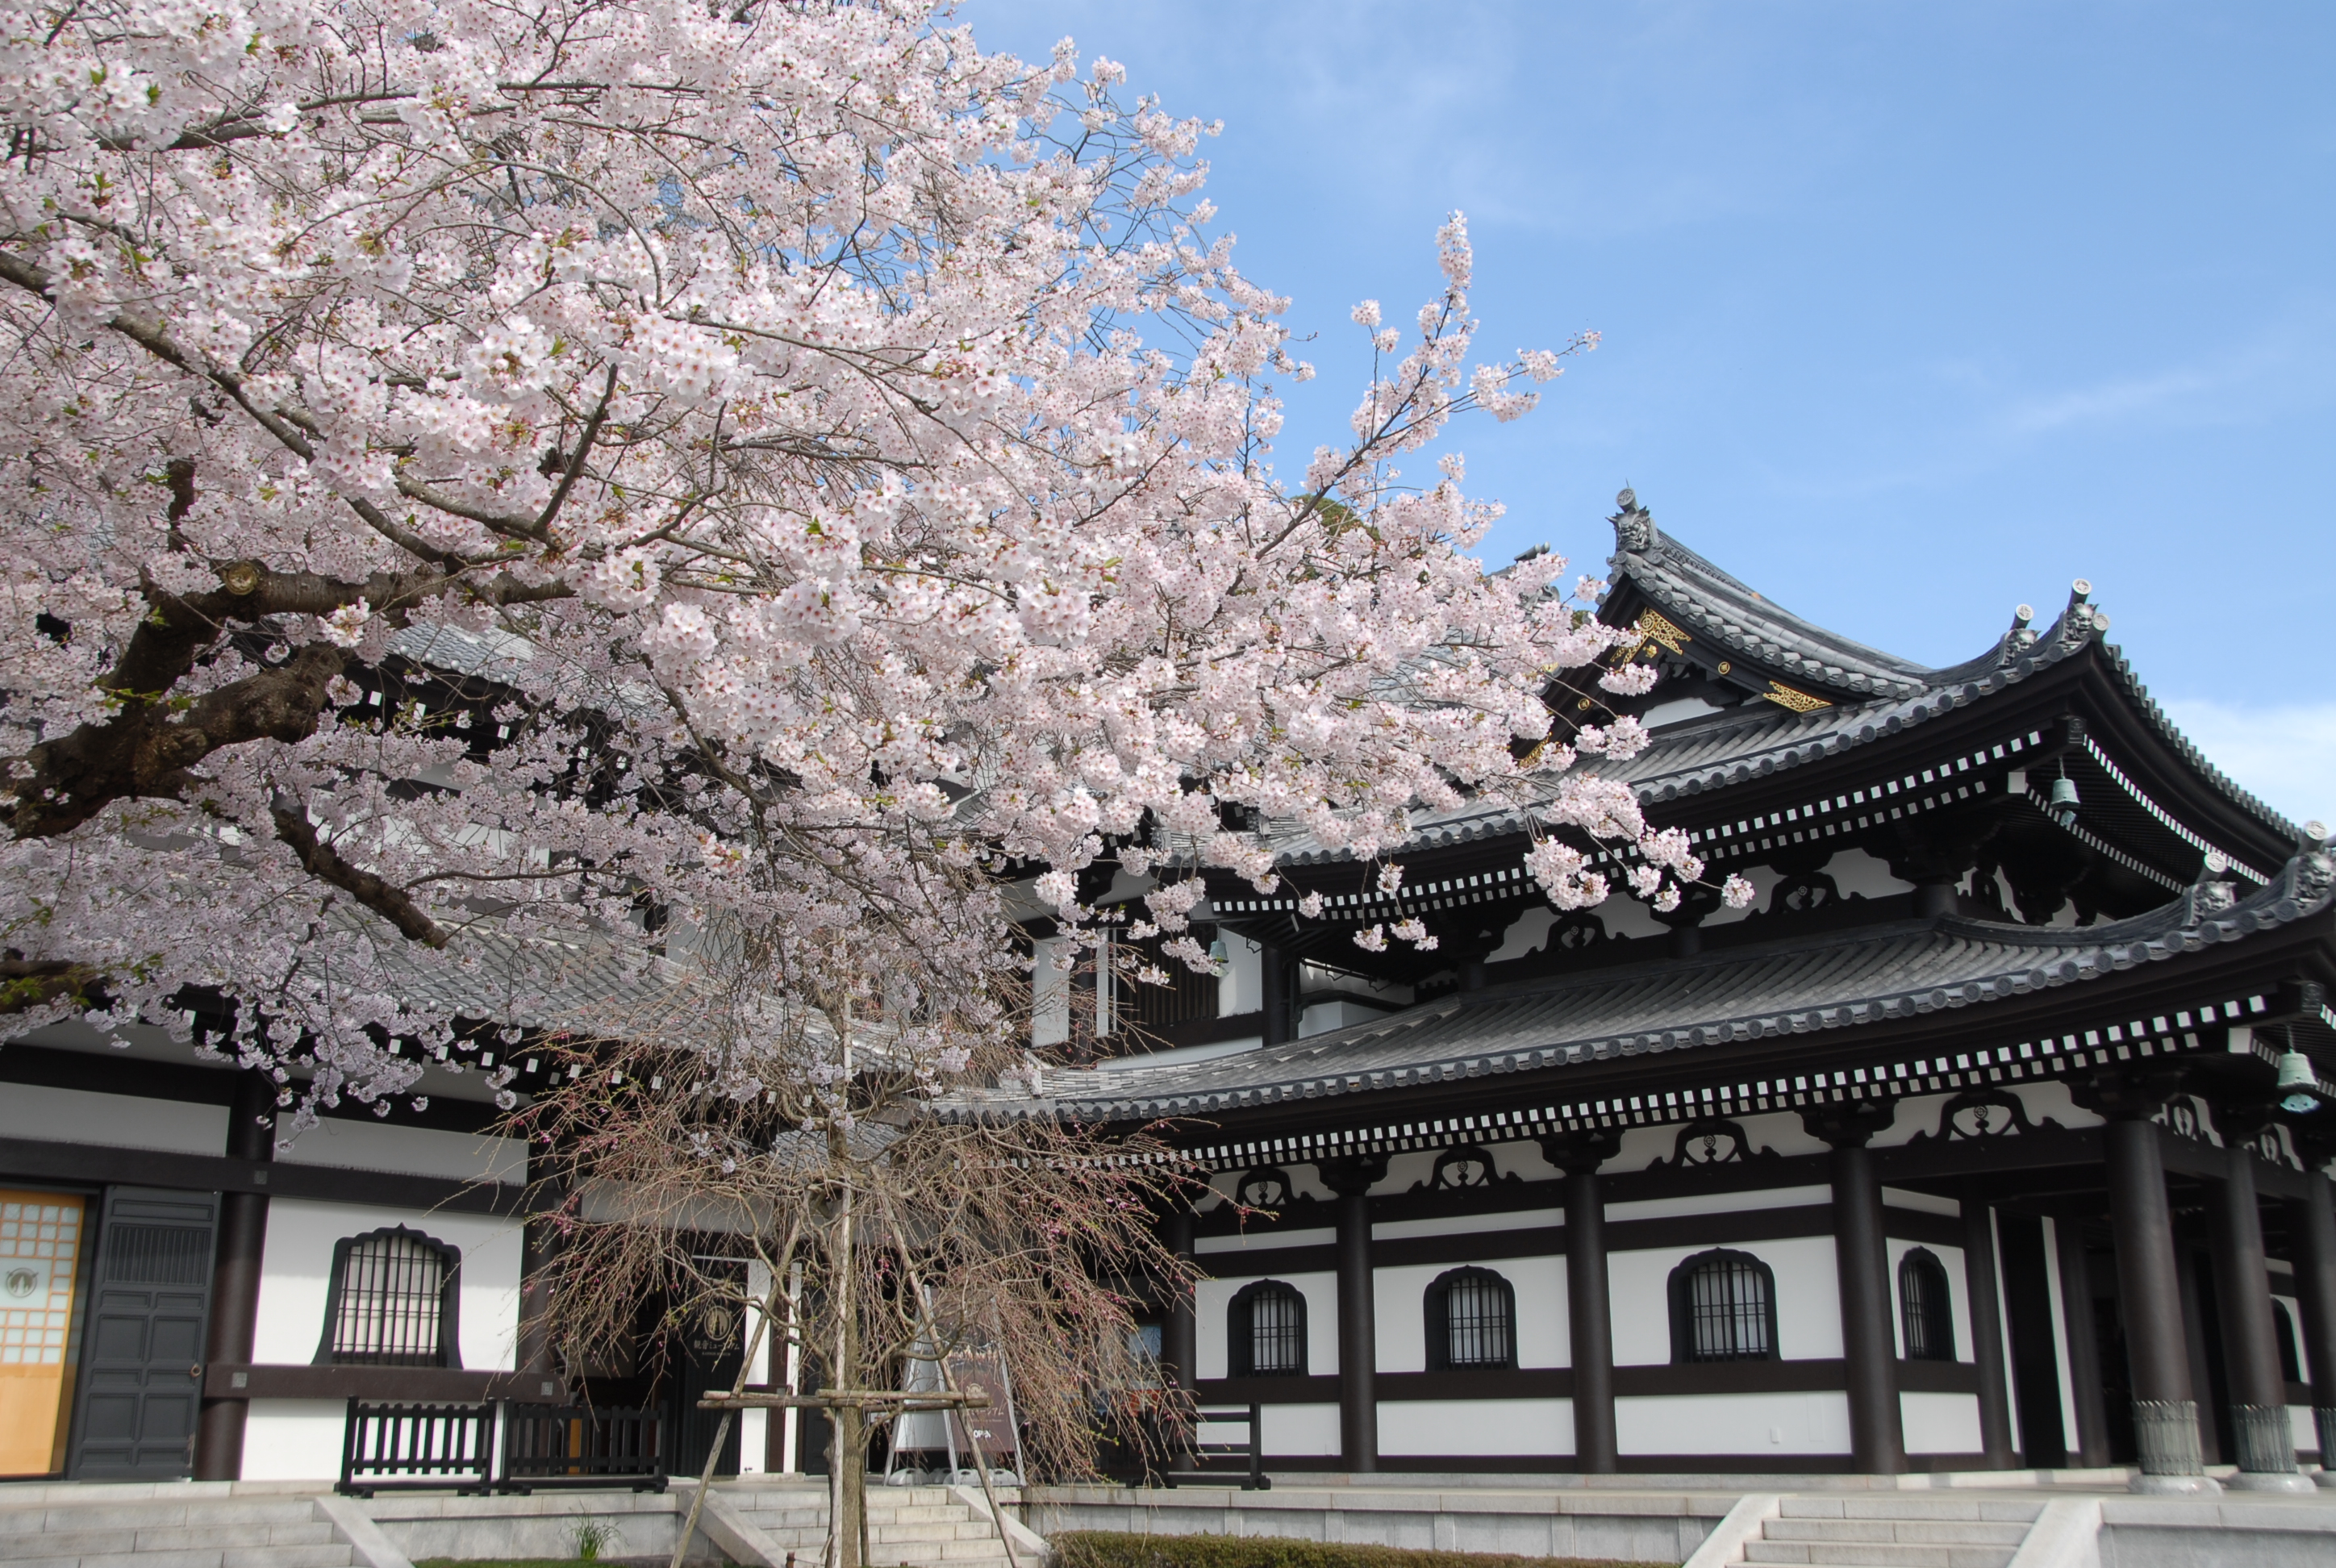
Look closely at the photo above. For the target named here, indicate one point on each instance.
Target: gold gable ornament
(1786, 697)
(1654, 628)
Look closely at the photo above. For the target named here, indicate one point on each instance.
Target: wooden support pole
(2157, 1351)
(2259, 1416)
(2312, 1220)
(1862, 1260)
(235, 1279)
(1986, 1325)
(1358, 1408)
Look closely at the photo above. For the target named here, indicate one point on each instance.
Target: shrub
(1117, 1549)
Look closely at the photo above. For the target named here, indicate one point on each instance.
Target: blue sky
(1910, 313)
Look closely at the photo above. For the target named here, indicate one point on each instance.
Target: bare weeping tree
(826, 1105)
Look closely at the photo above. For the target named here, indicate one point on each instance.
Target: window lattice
(1277, 1332)
(390, 1300)
(1479, 1329)
(1728, 1310)
(1922, 1303)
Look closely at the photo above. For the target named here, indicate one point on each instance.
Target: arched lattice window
(1265, 1331)
(1472, 1321)
(1925, 1312)
(392, 1303)
(1723, 1309)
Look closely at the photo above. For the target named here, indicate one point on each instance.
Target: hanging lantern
(2298, 1083)
(2064, 800)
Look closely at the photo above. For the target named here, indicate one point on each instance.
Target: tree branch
(325, 864)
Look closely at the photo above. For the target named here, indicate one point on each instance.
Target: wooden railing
(413, 1448)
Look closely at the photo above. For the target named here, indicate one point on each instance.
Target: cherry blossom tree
(840, 460)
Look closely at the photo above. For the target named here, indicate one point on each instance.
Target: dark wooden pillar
(1179, 1334)
(2157, 1352)
(1869, 1341)
(1589, 1306)
(235, 1278)
(1277, 985)
(2265, 1442)
(2083, 1339)
(1986, 1326)
(1359, 1398)
(2312, 1219)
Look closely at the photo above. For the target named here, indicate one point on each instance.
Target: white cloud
(2285, 754)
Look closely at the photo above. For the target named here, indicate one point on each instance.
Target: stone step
(1876, 1554)
(329, 1556)
(101, 1512)
(1993, 1509)
(953, 1552)
(941, 1530)
(1913, 1531)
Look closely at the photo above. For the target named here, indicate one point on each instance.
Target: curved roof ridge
(1721, 606)
(2188, 749)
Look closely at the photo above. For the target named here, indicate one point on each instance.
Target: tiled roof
(1842, 981)
(591, 988)
(1714, 606)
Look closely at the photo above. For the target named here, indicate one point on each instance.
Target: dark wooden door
(141, 1378)
(713, 1346)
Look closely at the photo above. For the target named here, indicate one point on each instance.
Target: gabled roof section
(1860, 977)
(1717, 608)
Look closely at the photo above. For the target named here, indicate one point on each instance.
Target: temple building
(1992, 1135)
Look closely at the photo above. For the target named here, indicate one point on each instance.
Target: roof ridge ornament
(2082, 619)
(1634, 525)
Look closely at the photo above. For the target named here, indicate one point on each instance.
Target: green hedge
(1113, 1549)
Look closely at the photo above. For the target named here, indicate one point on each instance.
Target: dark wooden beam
(94, 1165)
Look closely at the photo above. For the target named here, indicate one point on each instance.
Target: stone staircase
(1882, 1530)
(908, 1526)
(132, 1525)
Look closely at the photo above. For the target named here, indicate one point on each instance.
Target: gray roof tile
(1845, 980)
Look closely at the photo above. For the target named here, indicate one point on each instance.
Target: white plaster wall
(1747, 1423)
(299, 1260)
(1921, 1202)
(1940, 1422)
(294, 1439)
(1305, 1182)
(1262, 1240)
(1469, 1224)
(1625, 916)
(1176, 1053)
(1753, 1203)
(1780, 1131)
(1808, 1301)
(408, 1151)
(1291, 1431)
(1951, 1259)
(1407, 1170)
(2059, 1334)
(1212, 1297)
(1050, 993)
(1240, 989)
(1764, 880)
(754, 1425)
(113, 1121)
(1859, 874)
(2295, 1321)
(1323, 1017)
(2307, 1432)
(1526, 934)
(1475, 1427)
(1400, 1315)
(2050, 1097)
